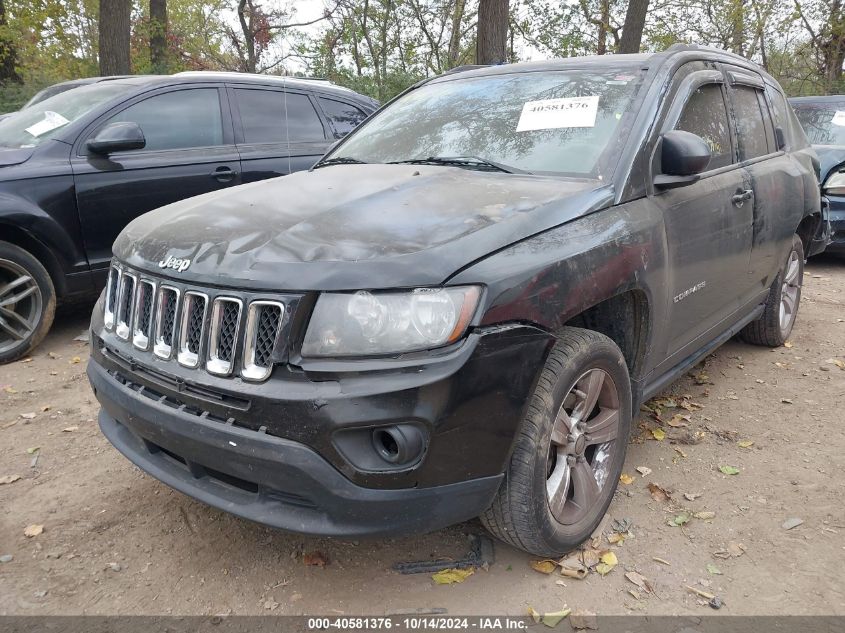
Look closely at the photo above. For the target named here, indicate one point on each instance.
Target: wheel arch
(14, 234)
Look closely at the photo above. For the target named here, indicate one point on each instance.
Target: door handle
(741, 196)
(224, 174)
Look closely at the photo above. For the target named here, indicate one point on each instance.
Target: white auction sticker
(50, 122)
(549, 114)
(838, 118)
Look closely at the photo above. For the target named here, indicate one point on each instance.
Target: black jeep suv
(75, 168)
(458, 310)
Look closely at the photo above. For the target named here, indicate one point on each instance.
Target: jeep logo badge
(175, 263)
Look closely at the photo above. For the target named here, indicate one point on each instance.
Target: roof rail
(464, 68)
(681, 46)
(226, 74)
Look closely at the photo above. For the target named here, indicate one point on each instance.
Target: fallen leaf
(45, 408)
(728, 470)
(315, 559)
(10, 390)
(534, 615)
(553, 618)
(616, 538)
(33, 530)
(70, 429)
(33, 449)
(679, 420)
(701, 378)
(734, 550)
(706, 515)
(787, 344)
(837, 362)
(75, 360)
(84, 337)
(28, 416)
(626, 479)
(543, 566)
(793, 522)
(608, 562)
(9, 479)
(660, 560)
(622, 525)
(451, 576)
(645, 471)
(658, 434)
(658, 493)
(745, 443)
(639, 580)
(590, 557)
(712, 569)
(679, 520)
(691, 496)
(53, 355)
(679, 451)
(786, 401)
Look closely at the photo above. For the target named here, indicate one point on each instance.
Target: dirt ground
(117, 541)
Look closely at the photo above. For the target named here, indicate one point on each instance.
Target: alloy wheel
(21, 305)
(789, 291)
(583, 442)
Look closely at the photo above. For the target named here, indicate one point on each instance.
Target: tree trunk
(455, 36)
(737, 18)
(492, 43)
(632, 30)
(114, 36)
(601, 45)
(8, 53)
(158, 36)
(249, 36)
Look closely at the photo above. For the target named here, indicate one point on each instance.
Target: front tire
(570, 449)
(773, 327)
(27, 302)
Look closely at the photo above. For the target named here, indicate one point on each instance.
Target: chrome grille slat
(192, 328)
(167, 308)
(173, 321)
(125, 302)
(223, 335)
(143, 310)
(112, 290)
(263, 324)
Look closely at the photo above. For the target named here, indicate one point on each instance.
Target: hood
(352, 226)
(830, 157)
(11, 156)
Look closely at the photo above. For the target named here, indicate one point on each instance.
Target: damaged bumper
(301, 456)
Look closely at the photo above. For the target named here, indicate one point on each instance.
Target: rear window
(823, 122)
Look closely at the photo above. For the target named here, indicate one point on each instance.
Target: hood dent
(356, 226)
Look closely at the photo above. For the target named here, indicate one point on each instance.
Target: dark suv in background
(77, 167)
(823, 120)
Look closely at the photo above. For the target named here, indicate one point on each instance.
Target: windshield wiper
(339, 160)
(473, 162)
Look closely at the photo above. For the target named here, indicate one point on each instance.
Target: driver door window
(706, 115)
(177, 120)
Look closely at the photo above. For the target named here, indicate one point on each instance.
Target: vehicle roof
(616, 61)
(818, 99)
(200, 76)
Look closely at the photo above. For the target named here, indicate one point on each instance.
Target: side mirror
(117, 137)
(683, 156)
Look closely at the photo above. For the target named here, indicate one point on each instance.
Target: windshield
(551, 123)
(43, 120)
(823, 122)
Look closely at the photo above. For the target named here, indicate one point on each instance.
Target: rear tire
(27, 302)
(773, 327)
(569, 450)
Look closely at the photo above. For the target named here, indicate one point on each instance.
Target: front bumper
(837, 225)
(269, 471)
(270, 480)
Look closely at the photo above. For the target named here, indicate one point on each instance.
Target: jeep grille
(193, 326)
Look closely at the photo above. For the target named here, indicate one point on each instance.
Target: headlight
(835, 184)
(368, 323)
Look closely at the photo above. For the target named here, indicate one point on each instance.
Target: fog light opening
(398, 444)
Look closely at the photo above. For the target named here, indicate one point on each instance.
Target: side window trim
(687, 88)
(90, 129)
